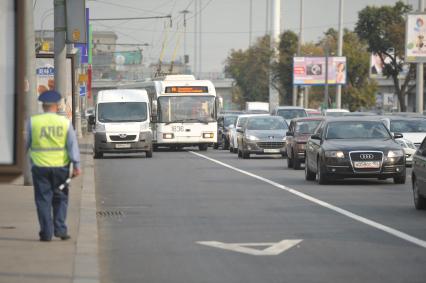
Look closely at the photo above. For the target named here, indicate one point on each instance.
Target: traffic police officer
(52, 144)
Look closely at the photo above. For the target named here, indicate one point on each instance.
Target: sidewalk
(23, 258)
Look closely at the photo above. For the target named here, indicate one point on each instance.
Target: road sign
(76, 21)
(270, 249)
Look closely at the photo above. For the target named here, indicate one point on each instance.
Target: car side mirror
(92, 120)
(289, 134)
(316, 137)
(398, 136)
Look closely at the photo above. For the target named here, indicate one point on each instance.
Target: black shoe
(45, 239)
(63, 237)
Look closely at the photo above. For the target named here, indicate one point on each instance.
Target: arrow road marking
(347, 213)
(272, 248)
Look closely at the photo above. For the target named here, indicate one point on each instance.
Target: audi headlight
(252, 138)
(395, 153)
(334, 154)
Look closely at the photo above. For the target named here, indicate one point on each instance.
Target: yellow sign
(82, 78)
(76, 35)
(45, 46)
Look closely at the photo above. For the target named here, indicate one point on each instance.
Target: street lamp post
(184, 12)
(326, 96)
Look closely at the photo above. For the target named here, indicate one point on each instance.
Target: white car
(233, 134)
(409, 149)
(335, 112)
(413, 129)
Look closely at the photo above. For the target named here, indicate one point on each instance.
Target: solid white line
(339, 210)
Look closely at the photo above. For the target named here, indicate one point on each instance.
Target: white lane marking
(271, 250)
(339, 210)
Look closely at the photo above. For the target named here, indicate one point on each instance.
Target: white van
(122, 122)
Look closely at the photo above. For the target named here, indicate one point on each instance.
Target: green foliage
(250, 69)
(383, 28)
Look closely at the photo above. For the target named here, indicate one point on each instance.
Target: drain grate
(110, 213)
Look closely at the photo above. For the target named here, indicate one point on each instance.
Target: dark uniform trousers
(49, 198)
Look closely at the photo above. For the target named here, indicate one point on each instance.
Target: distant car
(313, 112)
(290, 112)
(352, 114)
(233, 133)
(413, 129)
(354, 147)
(223, 123)
(409, 149)
(418, 177)
(335, 112)
(299, 131)
(262, 135)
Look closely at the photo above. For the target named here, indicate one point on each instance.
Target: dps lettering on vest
(48, 140)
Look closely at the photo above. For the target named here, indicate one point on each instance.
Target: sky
(224, 23)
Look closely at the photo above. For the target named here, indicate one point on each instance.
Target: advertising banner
(377, 66)
(415, 38)
(311, 70)
(46, 81)
(128, 57)
(7, 79)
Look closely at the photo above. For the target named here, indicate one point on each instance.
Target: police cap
(49, 97)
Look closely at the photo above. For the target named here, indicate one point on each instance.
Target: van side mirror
(316, 137)
(92, 120)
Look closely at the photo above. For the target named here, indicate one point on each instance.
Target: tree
(250, 69)
(383, 28)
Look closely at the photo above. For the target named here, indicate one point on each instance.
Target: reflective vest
(48, 140)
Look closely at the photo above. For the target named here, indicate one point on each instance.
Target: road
(153, 214)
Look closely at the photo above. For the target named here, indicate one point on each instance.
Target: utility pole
(185, 61)
(275, 39)
(250, 21)
(419, 75)
(195, 37)
(200, 47)
(31, 104)
(340, 53)
(299, 49)
(326, 96)
(60, 47)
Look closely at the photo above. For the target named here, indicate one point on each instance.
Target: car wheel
(148, 154)
(289, 161)
(309, 175)
(419, 200)
(155, 148)
(203, 147)
(235, 150)
(240, 154)
(400, 179)
(97, 155)
(322, 176)
(245, 154)
(296, 162)
(216, 145)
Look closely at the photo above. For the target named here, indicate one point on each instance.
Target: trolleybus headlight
(168, 136)
(208, 135)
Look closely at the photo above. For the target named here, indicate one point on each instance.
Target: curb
(86, 266)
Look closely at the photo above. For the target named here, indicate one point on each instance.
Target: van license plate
(366, 164)
(122, 145)
(272, 150)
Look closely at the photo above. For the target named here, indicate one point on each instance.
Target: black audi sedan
(354, 147)
(418, 176)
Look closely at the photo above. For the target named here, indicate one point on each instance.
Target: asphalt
(24, 259)
(152, 214)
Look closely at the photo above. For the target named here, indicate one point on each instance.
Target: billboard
(311, 70)
(45, 71)
(415, 41)
(377, 66)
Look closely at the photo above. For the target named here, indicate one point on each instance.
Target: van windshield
(122, 112)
